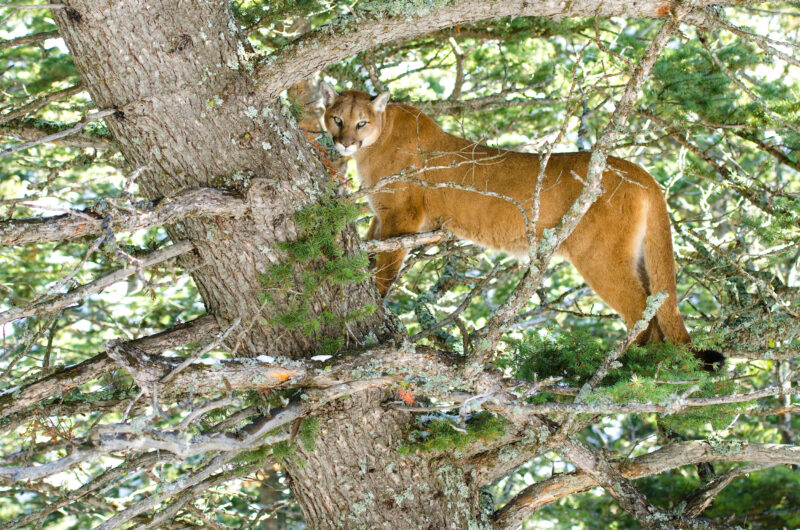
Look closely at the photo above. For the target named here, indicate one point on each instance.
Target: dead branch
(99, 115)
(765, 43)
(199, 202)
(75, 295)
(736, 80)
(548, 491)
(34, 38)
(38, 103)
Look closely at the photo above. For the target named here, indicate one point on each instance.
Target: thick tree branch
(237, 374)
(208, 202)
(367, 28)
(409, 241)
(545, 492)
(75, 295)
(17, 399)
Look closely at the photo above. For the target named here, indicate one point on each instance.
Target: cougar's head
(353, 118)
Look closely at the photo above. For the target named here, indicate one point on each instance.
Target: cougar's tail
(659, 261)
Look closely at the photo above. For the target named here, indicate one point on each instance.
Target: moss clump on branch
(442, 432)
(307, 433)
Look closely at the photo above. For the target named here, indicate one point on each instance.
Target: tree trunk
(187, 112)
(355, 477)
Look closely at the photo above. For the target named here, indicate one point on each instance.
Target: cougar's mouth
(346, 151)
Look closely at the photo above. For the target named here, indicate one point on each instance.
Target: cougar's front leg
(373, 230)
(372, 233)
(389, 263)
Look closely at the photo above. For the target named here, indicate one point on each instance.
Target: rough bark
(188, 113)
(355, 478)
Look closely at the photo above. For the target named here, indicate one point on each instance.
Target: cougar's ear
(328, 93)
(379, 102)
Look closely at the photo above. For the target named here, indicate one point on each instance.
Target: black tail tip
(712, 360)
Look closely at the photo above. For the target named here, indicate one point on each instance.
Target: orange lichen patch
(663, 9)
(281, 375)
(406, 396)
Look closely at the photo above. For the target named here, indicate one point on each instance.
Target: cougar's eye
(337, 120)
(360, 124)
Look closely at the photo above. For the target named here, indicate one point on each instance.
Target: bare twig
(99, 115)
(38, 103)
(736, 80)
(198, 201)
(96, 286)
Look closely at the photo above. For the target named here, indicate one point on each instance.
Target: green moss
(297, 109)
(330, 345)
(314, 259)
(307, 434)
(438, 433)
(282, 450)
(256, 455)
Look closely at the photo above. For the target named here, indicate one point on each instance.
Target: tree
(249, 349)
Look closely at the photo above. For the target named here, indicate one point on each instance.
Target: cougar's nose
(347, 143)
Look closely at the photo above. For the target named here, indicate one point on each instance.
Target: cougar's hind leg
(654, 333)
(614, 277)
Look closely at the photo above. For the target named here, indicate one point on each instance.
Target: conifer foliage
(191, 335)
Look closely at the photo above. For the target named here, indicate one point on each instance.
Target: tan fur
(622, 247)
